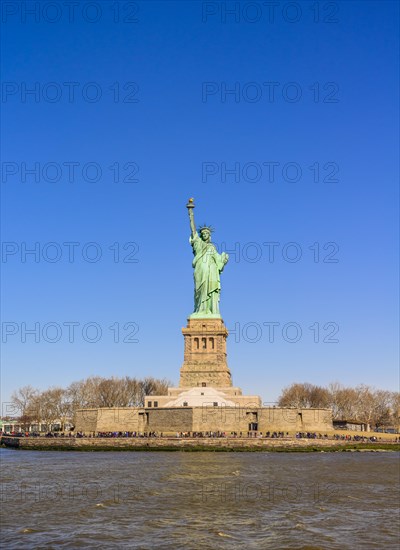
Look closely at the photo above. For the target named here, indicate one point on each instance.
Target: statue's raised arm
(190, 207)
(208, 265)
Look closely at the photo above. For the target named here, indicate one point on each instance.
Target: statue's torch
(190, 206)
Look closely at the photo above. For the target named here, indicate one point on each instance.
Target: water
(198, 501)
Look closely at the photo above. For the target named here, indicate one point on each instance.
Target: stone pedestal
(205, 362)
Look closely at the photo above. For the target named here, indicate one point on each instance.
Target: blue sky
(172, 98)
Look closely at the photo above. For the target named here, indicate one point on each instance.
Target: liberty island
(205, 401)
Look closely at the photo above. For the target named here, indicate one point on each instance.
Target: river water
(199, 500)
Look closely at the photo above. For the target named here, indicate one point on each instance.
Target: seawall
(192, 444)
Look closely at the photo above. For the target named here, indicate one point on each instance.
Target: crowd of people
(207, 434)
(362, 438)
(182, 435)
(310, 435)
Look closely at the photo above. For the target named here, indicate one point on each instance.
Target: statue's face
(205, 235)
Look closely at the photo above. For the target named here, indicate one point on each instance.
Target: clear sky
(281, 122)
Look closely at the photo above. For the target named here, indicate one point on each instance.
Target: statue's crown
(208, 227)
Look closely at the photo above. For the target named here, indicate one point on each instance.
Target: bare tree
(114, 392)
(63, 406)
(23, 398)
(346, 404)
(132, 391)
(84, 393)
(162, 386)
(109, 392)
(362, 403)
(304, 395)
(49, 406)
(295, 395)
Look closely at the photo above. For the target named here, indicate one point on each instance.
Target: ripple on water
(199, 500)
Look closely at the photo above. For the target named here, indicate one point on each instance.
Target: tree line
(32, 406)
(363, 403)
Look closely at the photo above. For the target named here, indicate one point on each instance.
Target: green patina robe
(208, 265)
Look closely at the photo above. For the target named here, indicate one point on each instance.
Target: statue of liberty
(208, 265)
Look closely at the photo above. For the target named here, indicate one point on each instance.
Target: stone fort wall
(203, 419)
